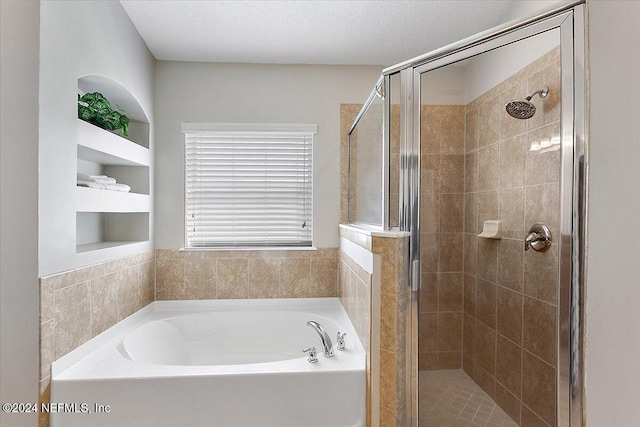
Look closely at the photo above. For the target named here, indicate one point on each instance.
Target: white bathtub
(222, 363)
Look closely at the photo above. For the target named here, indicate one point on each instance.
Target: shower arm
(542, 92)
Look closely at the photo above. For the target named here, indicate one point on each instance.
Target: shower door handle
(415, 275)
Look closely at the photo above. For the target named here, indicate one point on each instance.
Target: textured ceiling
(307, 32)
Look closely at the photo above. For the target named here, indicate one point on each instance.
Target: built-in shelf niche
(136, 177)
(102, 230)
(119, 96)
(111, 223)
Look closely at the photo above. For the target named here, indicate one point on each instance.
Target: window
(248, 185)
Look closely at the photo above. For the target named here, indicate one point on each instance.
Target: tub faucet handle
(313, 356)
(340, 340)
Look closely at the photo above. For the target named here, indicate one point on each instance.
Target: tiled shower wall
(441, 236)
(77, 305)
(510, 304)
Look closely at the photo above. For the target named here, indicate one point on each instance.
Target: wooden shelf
(95, 200)
(100, 146)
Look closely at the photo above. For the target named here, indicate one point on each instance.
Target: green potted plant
(95, 109)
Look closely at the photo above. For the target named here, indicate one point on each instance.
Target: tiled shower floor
(452, 399)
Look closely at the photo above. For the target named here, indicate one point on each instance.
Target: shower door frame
(569, 20)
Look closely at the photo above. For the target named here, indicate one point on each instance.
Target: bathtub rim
(112, 336)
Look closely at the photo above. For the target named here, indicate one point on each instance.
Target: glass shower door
(494, 313)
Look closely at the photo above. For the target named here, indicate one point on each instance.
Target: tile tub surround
(442, 236)
(393, 295)
(238, 274)
(510, 307)
(77, 305)
(354, 290)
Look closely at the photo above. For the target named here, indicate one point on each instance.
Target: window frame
(247, 128)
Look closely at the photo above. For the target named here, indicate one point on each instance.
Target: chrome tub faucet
(327, 345)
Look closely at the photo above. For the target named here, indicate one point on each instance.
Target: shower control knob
(313, 356)
(538, 239)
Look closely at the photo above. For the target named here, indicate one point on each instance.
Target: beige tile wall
(246, 274)
(354, 291)
(510, 309)
(393, 296)
(77, 305)
(441, 236)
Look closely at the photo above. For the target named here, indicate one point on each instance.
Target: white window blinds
(248, 185)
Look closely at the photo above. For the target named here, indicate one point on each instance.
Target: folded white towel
(102, 179)
(106, 180)
(117, 187)
(90, 184)
(123, 188)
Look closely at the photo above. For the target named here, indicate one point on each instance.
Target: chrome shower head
(525, 109)
(521, 109)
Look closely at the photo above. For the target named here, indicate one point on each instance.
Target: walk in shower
(477, 150)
